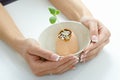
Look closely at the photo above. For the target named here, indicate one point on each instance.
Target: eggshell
(64, 48)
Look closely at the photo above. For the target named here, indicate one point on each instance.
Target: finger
(63, 68)
(85, 52)
(91, 23)
(107, 32)
(102, 38)
(48, 55)
(91, 52)
(87, 58)
(101, 46)
(93, 30)
(45, 54)
(34, 48)
(67, 66)
(103, 35)
(58, 69)
(94, 52)
(70, 67)
(48, 65)
(89, 48)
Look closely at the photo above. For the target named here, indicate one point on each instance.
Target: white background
(31, 17)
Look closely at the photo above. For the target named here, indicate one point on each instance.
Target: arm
(11, 35)
(73, 9)
(8, 30)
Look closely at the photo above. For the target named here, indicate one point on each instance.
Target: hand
(99, 38)
(34, 55)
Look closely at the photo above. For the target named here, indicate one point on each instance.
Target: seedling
(54, 12)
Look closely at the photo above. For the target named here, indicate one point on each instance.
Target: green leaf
(52, 19)
(52, 11)
(57, 12)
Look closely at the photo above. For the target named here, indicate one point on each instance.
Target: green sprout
(54, 12)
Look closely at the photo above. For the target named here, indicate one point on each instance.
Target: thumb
(48, 55)
(93, 31)
(34, 48)
(44, 54)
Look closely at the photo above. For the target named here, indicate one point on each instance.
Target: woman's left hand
(99, 38)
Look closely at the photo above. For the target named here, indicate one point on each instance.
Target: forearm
(72, 9)
(8, 30)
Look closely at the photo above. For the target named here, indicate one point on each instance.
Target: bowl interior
(47, 38)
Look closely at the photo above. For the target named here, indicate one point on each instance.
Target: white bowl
(47, 38)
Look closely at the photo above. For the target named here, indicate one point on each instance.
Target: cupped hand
(99, 38)
(44, 62)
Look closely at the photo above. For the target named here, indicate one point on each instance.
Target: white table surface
(31, 16)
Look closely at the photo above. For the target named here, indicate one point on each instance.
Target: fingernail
(55, 57)
(94, 38)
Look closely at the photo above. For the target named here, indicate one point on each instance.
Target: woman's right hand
(32, 52)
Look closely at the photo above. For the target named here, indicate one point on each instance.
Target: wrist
(16, 43)
(19, 44)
